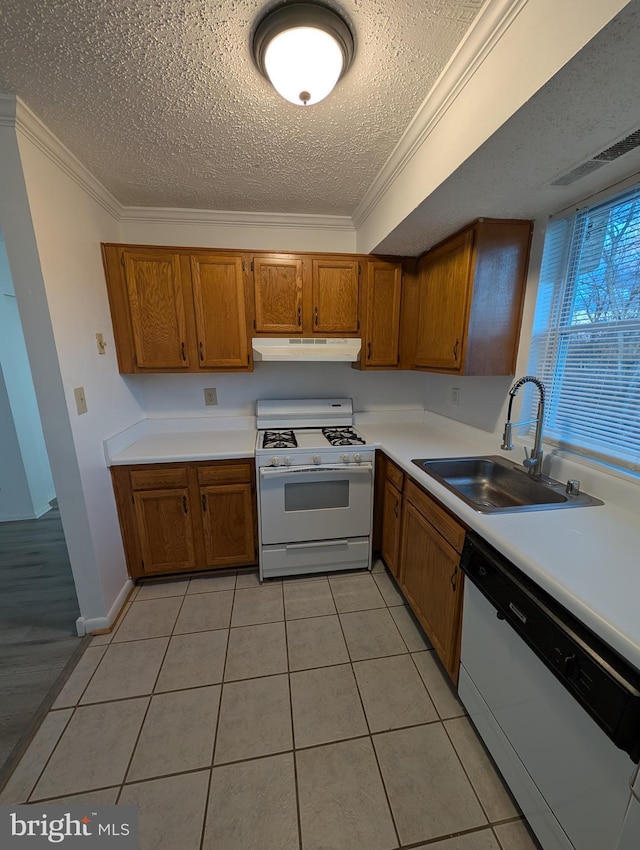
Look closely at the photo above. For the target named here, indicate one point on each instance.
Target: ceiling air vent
(620, 148)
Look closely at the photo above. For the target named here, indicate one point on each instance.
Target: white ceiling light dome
(303, 49)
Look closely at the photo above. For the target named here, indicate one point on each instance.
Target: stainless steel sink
(492, 484)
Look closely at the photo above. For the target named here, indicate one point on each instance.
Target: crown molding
(490, 25)
(13, 112)
(232, 218)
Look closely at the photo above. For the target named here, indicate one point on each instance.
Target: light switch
(81, 401)
(101, 344)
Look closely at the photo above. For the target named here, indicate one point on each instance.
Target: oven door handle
(279, 471)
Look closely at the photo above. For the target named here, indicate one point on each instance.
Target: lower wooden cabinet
(391, 516)
(186, 517)
(430, 575)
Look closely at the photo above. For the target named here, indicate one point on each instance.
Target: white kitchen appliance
(312, 350)
(557, 708)
(315, 487)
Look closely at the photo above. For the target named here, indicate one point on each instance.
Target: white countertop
(586, 558)
(174, 447)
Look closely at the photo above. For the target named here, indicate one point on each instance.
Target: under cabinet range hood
(307, 349)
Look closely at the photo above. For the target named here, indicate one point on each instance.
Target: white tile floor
(303, 714)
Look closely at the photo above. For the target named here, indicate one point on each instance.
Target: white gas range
(315, 487)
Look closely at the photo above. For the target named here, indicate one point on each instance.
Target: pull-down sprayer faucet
(532, 462)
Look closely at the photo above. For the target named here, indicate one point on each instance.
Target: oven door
(315, 503)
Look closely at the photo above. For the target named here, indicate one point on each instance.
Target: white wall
(53, 229)
(69, 226)
(31, 456)
(182, 395)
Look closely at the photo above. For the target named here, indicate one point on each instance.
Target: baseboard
(97, 625)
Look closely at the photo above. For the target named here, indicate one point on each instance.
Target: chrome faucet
(533, 461)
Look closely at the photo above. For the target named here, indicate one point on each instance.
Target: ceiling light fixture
(303, 49)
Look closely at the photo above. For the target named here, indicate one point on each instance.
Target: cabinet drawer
(226, 473)
(158, 479)
(394, 474)
(437, 516)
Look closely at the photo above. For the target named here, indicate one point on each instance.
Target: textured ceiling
(162, 102)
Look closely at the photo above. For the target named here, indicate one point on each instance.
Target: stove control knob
(345, 458)
(275, 461)
(288, 460)
(357, 457)
(316, 459)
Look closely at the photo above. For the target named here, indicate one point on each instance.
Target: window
(586, 332)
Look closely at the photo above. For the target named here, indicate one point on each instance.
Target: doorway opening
(38, 600)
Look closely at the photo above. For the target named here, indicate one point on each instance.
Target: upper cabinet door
(382, 315)
(156, 296)
(219, 300)
(278, 294)
(335, 296)
(444, 305)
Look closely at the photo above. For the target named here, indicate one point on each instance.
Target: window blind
(586, 332)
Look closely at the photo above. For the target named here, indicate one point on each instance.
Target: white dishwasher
(558, 710)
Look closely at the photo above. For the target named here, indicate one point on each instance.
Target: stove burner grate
(279, 440)
(343, 437)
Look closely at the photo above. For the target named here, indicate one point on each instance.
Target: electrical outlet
(81, 401)
(210, 396)
(455, 396)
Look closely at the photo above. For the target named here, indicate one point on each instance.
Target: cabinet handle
(316, 316)
(368, 351)
(184, 353)
(204, 503)
(201, 353)
(453, 577)
(184, 505)
(299, 315)
(455, 349)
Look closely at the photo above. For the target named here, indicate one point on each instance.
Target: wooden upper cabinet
(278, 294)
(334, 286)
(381, 315)
(471, 293)
(220, 312)
(444, 279)
(158, 303)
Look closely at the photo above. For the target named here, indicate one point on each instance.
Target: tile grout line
(46, 764)
(215, 733)
(293, 739)
(370, 737)
(150, 697)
